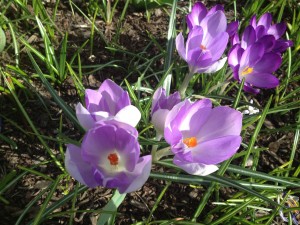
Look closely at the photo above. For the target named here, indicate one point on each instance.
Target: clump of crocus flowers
(257, 55)
(200, 136)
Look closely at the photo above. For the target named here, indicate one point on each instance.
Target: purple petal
(139, 176)
(216, 66)
(235, 55)
(268, 63)
(199, 59)
(277, 30)
(249, 37)
(173, 120)
(217, 45)
(260, 31)
(158, 95)
(84, 117)
(197, 14)
(265, 20)
(195, 168)
(253, 21)
(262, 80)
(214, 24)
(199, 112)
(250, 89)
(180, 46)
(281, 45)
(194, 40)
(222, 121)
(79, 169)
(92, 99)
(252, 55)
(232, 28)
(268, 41)
(215, 8)
(98, 142)
(216, 150)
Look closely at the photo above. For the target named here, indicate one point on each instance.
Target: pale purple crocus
(110, 101)
(201, 136)
(109, 156)
(161, 106)
(205, 44)
(255, 65)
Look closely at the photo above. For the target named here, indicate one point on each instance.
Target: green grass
(55, 65)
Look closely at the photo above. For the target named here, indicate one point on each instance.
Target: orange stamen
(113, 159)
(247, 70)
(190, 142)
(203, 47)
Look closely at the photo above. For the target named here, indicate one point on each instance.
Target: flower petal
(139, 176)
(249, 37)
(214, 24)
(193, 168)
(180, 46)
(277, 30)
(268, 63)
(158, 120)
(129, 115)
(216, 150)
(216, 66)
(234, 55)
(222, 121)
(84, 117)
(197, 14)
(265, 20)
(262, 80)
(252, 55)
(92, 99)
(79, 169)
(217, 45)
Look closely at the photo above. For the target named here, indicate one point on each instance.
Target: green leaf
(111, 206)
(2, 40)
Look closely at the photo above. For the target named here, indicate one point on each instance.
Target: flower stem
(185, 83)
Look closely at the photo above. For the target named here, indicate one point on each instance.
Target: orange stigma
(113, 159)
(203, 47)
(190, 142)
(247, 70)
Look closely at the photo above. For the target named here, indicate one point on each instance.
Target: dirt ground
(179, 201)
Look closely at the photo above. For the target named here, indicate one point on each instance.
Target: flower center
(247, 70)
(190, 142)
(203, 47)
(113, 159)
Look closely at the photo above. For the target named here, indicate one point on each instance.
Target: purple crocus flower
(264, 27)
(201, 136)
(110, 101)
(109, 156)
(161, 106)
(206, 40)
(255, 65)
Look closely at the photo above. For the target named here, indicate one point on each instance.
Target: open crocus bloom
(109, 156)
(161, 106)
(255, 66)
(205, 44)
(201, 136)
(110, 101)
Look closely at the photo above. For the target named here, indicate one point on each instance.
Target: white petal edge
(129, 115)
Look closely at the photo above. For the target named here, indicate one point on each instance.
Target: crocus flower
(264, 27)
(161, 106)
(206, 42)
(201, 136)
(198, 14)
(255, 66)
(109, 156)
(110, 101)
